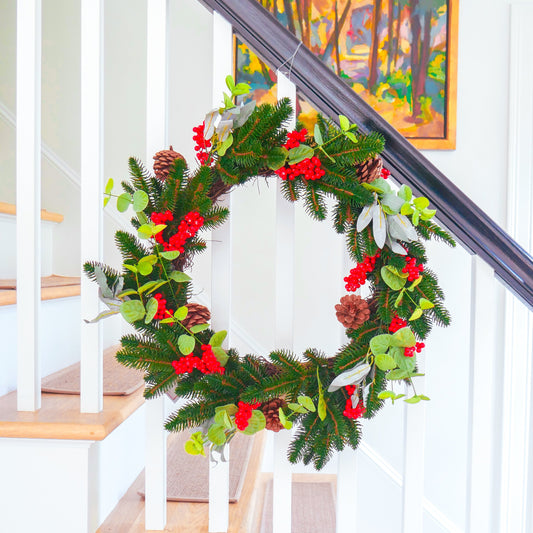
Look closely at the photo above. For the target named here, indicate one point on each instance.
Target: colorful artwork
(398, 55)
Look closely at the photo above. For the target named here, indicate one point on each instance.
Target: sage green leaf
(427, 214)
(193, 448)
(256, 422)
(297, 408)
(230, 408)
(221, 355)
(277, 157)
(179, 277)
(186, 344)
(226, 143)
(344, 123)
(425, 398)
(317, 134)
(417, 313)
(425, 304)
(416, 217)
(222, 418)
(399, 299)
(140, 201)
(384, 395)
(102, 315)
(245, 112)
(127, 292)
(145, 268)
(392, 202)
(414, 284)
(405, 193)
(151, 310)
(287, 424)
(171, 255)
(404, 363)
(132, 268)
(101, 279)
(414, 399)
(404, 337)
(298, 154)
(106, 200)
(307, 402)
(218, 338)
(132, 310)
(199, 328)
(216, 435)
(351, 136)
(392, 277)
(380, 343)
(123, 202)
(397, 374)
(109, 186)
(421, 203)
(322, 408)
(142, 218)
(181, 313)
(385, 362)
(401, 228)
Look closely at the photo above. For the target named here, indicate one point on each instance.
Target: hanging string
(291, 60)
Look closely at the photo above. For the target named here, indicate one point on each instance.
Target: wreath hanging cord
(385, 229)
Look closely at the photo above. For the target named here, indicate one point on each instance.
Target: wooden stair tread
(52, 287)
(186, 517)
(60, 417)
(11, 209)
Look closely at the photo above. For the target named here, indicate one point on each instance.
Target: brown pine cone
(271, 411)
(198, 314)
(369, 170)
(163, 160)
(352, 311)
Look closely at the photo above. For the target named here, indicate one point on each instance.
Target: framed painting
(400, 56)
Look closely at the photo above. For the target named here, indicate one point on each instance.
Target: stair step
(11, 209)
(186, 517)
(52, 287)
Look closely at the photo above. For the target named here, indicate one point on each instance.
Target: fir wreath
(175, 347)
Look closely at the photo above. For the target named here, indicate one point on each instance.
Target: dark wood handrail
(333, 97)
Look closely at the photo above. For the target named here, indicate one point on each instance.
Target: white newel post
(92, 157)
(28, 160)
(221, 279)
(282, 488)
(156, 140)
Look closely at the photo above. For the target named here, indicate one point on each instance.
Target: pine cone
(352, 311)
(163, 160)
(271, 411)
(369, 170)
(198, 314)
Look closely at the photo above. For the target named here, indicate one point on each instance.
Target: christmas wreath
(323, 397)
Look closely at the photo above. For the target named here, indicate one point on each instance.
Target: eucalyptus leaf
(423, 397)
(132, 310)
(384, 395)
(245, 112)
(322, 408)
(222, 418)
(317, 134)
(106, 200)
(218, 338)
(392, 202)
(351, 136)
(241, 88)
(425, 304)
(427, 214)
(380, 343)
(287, 424)
(307, 402)
(140, 201)
(417, 313)
(407, 209)
(147, 286)
(399, 299)
(109, 186)
(142, 218)
(298, 154)
(385, 362)
(181, 313)
(404, 338)
(416, 218)
(170, 255)
(421, 203)
(151, 310)
(405, 193)
(230, 82)
(131, 268)
(392, 277)
(256, 423)
(277, 157)
(221, 355)
(404, 363)
(193, 448)
(230, 408)
(414, 399)
(127, 292)
(216, 434)
(198, 328)
(222, 149)
(414, 284)
(297, 408)
(344, 123)
(179, 277)
(397, 374)
(123, 202)
(186, 344)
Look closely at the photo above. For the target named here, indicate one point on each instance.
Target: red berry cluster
(357, 276)
(412, 269)
(202, 144)
(207, 364)
(354, 412)
(162, 311)
(410, 350)
(309, 169)
(187, 228)
(396, 324)
(294, 138)
(244, 413)
(385, 173)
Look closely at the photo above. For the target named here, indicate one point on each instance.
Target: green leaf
(127, 292)
(230, 82)
(307, 402)
(226, 143)
(186, 344)
(218, 338)
(287, 424)
(228, 102)
(407, 209)
(241, 88)
(385, 362)
(317, 134)
(417, 313)
(404, 337)
(109, 186)
(193, 448)
(380, 185)
(392, 202)
(221, 355)
(414, 284)
(276, 157)
(216, 435)
(133, 268)
(170, 256)
(297, 408)
(425, 398)
(181, 313)
(322, 409)
(199, 327)
(148, 285)
(399, 299)
(145, 264)
(132, 310)
(404, 363)
(397, 374)
(414, 399)
(380, 343)
(140, 201)
(416, 218)
(230, 408)
(145, 231)
(106, 200)
(425, 304)
(123, 202)
(421, 203)
(344, 123)
(298, 154)
(351, 136)
(393, 278)
(384, 395)
(160, 283)
(151, 310)
(222, 418)
(256, 422)
(142, 218)
(179, 277)
(427, 214)
(405, 193)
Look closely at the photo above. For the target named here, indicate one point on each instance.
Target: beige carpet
(188, 475)
(118, 379)
(313, 508)
(49, 281)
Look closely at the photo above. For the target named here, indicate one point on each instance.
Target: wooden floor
(183, 517)
(52, 287)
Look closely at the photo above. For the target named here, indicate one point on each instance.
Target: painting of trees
(399, 55)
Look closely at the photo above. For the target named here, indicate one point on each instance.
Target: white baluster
(156, 139)
(28, 157)
(92, 62)
(282, 488)
(221, 277)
